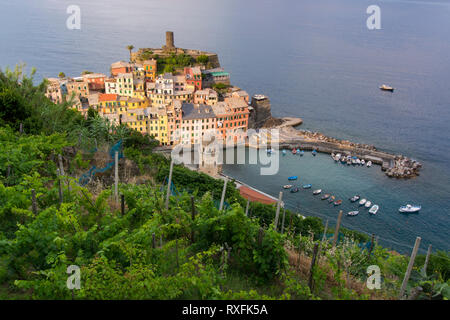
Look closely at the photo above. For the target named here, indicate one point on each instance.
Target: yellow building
(150, 68)
(151, 121)
(125, 84)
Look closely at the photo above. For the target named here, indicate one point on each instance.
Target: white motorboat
(374, 209)
(354, 198)
(358, 161)
(369, 164)
(318, 191)
(353, 213)
(363, 162)
(410, 208)
(287, 186)
(368, 204)
(362, 202)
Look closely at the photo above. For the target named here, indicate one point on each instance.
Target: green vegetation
(189, 251)
(61, 75)
(203, 59)
(130, 49)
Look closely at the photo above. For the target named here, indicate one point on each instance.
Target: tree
(86, 72)
(203, 59)
(130, 48)
(61, 75)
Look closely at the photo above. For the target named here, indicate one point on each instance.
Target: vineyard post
(60, 162)
(193, 217)
(427, 259)
(8, 171)
(409, 269)
(323, 237)
(260, 236)
(371, 244)
(282, 221)
(59, 187)
(21, 128)
(33, 201)
(153, 241)
(122, 204)
(116, 175)
(277, 215)
(290, 221)
(299, 249)
(336, 232)
(313, 262)
(169, 183)
(246, 208)
(222, 199)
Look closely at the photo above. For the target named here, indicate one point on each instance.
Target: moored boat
(368, 204)
(369, 164)
(354, 198)
(331, 199)
(363, 162)
(353, 213)
(314, 152)
(318, 191)
(325, 196)
(292, 178)
(374, 209)
(294, 151)
(337, 202)
(307, 186)
(409, 208)
(293, 190)
(283, 152)
(287, 186)
(302, 153)
(362, 202)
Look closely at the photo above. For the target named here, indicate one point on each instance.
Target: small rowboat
(287, 186)
(283, 152)
(368, 204)
(292, 178)
(316, 192)
(293, 190)
(314, 152)
(294, 151)
(338, 202)
(331, 199)
(374, 209)
(369, 164)
(325, 196)
(362, 202)
(354, 198)
(353, 213)
(307, 186)
(386, 88)
(409, 209)
(302, 153)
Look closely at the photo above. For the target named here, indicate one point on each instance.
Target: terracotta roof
(107, 97)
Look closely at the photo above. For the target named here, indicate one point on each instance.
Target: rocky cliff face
(260, 114)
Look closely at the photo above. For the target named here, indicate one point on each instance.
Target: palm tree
(130, 48)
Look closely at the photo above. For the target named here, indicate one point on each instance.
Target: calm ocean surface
(316, 60)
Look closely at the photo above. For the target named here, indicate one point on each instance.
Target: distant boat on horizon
(387, 88)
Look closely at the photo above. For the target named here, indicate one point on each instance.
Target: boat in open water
(374, 209)
(368, 204)
(292, 178)
(331, 199)
(316, 192)
(287, 186)
(362, 202)
(353, 213)
(325, 196)
(293, 190)
(307, 186)
(354, 198)
(386, 88)
(338, 202)
(409, 209)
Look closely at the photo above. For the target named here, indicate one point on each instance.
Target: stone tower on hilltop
(170, 44)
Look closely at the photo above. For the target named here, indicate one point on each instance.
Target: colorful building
(121, 67)
(193, 77)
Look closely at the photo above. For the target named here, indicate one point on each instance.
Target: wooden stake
(193, 218)
(60, 187)
(222, 199)
(336, 232)
(282, 220)
(33, 201)
(427, 259)
(21, 128)
(371, 244)
(277, 215)
(409, 269)
(153, 241)
(169, 184)
(246, 208)
(323, 237)
(61, 167)
(299, 249)
(122, 204)
(116, 175)
(260, 236)
(313, 262)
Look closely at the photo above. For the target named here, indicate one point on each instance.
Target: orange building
(150, 69)
(121, 67)
(193, 77)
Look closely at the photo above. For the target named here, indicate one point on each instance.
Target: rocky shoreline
(397, 166)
